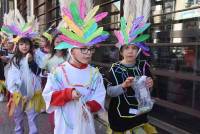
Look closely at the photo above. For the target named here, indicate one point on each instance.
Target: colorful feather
(66, 12)
(6, 30)
(66, 39)
(63, 45)
(119, 37)
(123, 29)
(75, 14)
(142, 46)
(141, 30)
(141, 38)
(73, 26)
(87, 27)
(129, 24)
(100, 16)
(15, 29)
(82, 9)
(136, 23)
(91, 14)
(98, 39)
(72, 35)
(95, 34)
(90, 31)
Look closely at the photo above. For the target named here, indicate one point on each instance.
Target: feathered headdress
(47, 34)
(14, 24)
(133, 24)
(80, 23)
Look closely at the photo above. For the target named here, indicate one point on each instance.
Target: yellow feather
(73, 26)
(129, 24)
(91, 14)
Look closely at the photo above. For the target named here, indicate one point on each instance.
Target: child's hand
(149, 82)
(30, 57)
(4, 59)
(128, 82)
(75, 95)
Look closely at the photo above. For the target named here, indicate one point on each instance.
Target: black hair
(47, 41)
(18, 55)
(53, 52)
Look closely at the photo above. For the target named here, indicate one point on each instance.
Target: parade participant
(124, 114)
(22, 77)
(75, 81)
(56, 57)
(44, 49)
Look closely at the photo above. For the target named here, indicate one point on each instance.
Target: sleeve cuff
(94, 106)
(59, 98)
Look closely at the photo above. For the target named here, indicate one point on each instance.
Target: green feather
(75, 14)
(72, 35)
(6, 30)
(141, 38)
(95, 34)
(87, 27)
(105, 33)
(123, 29)
(63, 45)
(141, 30)
(25, 26)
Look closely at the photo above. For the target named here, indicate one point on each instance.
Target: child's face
(57, 41)
(24, 47)
(129, 53)
(84, 54)
(43, 42)
(9, 46)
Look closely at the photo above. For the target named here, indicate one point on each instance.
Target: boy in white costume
(76, 79)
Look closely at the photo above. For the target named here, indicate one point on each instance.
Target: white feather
(137, 8)
(66, 3)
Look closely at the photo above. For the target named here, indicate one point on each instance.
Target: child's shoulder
(141, 63)
(116, 65)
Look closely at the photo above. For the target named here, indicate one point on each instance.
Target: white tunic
(40, 57)
(22, 79)
(93, 89)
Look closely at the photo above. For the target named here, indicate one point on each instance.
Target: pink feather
(100, 16)
(131, 39)
(70, 41)
(119, 37)
(66, 12)
(82, 9)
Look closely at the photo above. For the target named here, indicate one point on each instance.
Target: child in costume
(124, 113)
(53, 60)
(22, 79)
(56, 57)
(42, 52)
(75, 81)
(44, 49)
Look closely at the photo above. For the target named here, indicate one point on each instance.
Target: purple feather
(98, 39)
(15, 29)
(136, 23)
(142, 46)
(27, 32)
(32, 35)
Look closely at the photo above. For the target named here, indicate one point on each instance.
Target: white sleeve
(53, 84)
(100, 91)
(13, 79)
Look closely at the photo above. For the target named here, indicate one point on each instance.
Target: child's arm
(96, 102)
(59, 98)
(34, 67)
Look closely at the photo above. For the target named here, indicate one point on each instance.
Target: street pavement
(7, 124)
